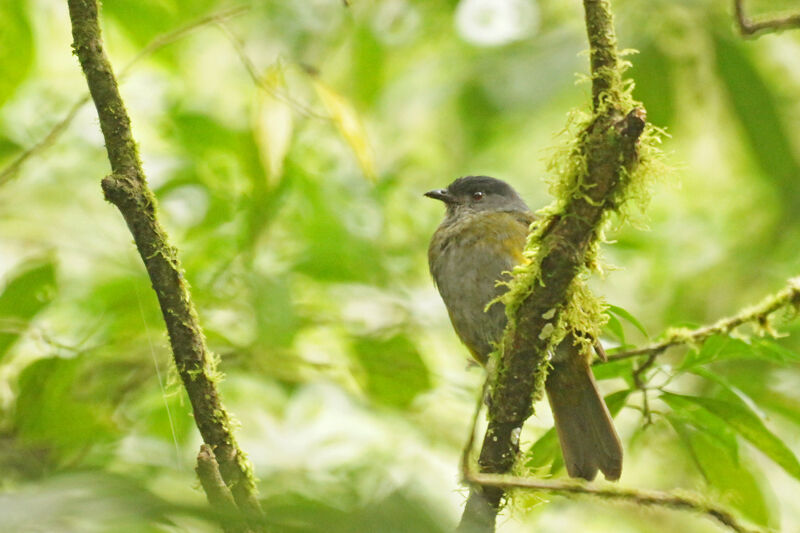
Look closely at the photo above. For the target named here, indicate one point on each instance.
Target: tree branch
(757, 314)
(10, 171)
(608, 148)
(678, 501)
(219, 496)
(681, 502)
(127, 188)
(749, 28)
(55, 132)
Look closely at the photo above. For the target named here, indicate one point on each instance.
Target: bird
(474, 249)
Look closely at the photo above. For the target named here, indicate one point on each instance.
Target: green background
(298, 213)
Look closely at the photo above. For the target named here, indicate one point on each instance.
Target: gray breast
(465, 274)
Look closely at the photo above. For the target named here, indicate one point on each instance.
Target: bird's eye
(478, 195)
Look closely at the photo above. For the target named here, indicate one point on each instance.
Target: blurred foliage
(288, 154)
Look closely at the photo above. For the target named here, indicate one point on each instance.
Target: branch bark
(679, 501)
(609, 147)
(750, 28)
(126, 187)
(219, 496)
(646, 498)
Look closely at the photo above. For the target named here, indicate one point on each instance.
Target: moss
(567, 164)
(637, 190)
(602, 163)
(246, 468)
(583, 314)
(211, 368)
(525, 276)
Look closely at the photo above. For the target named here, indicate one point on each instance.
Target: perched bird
(480, 240)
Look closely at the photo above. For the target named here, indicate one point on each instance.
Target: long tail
(588, 439)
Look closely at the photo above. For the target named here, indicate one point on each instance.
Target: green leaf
(714, 348)
(334, 251)
(274, 311)
(733, 479)
(369, 60)
(162, 414)
(723, 435)
(146, 19)
(349, 124)
(273, 126)
(544, 455)
(756, 106)
(622, 368)
(616, 401)
(781, 403)
(479, 113)
(291, 511)
(749, 425)
(653, 71)
(8, 148)
(25, 295)
(614, 327)
(728, 391)
(723, 347)
(394, 370)
(91, 501)
(56, 409)
(770, 349)
(625, 315)
(16, 47)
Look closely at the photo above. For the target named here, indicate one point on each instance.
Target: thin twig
(669, 500)
(163, 40)
(127, 188)
(466, 452)
(641, 385)
(750, 28)
(759, 314)
(10, 171)
(683, 501)
(262, 83)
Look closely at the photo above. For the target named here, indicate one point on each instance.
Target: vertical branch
(603, 58)
(609, 148)
(126, 187)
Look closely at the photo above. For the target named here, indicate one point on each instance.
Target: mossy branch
(606, 72)
(648, 498)
(754, 28)
(219, 496)
(602, 164)
(127, 188)
(680, 501)
(758, 314)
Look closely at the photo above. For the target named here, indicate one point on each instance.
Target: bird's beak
(440, 194)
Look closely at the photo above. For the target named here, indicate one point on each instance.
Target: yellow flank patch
(512, 248)
(511, 234)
